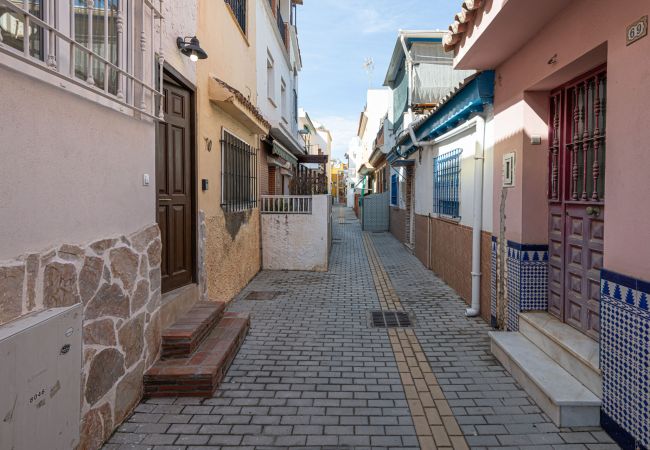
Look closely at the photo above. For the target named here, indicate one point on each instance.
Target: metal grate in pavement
(262, 295)
(390, 319)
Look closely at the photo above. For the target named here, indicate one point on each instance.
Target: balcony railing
(68, 39)
(286, 204)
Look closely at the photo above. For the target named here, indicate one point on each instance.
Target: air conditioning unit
(40, 379)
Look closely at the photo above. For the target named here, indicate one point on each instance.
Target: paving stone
(312, 375)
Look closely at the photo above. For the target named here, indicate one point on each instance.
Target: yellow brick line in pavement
(435, 424)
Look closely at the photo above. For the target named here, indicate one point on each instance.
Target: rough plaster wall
(232, 252)
(180, 21)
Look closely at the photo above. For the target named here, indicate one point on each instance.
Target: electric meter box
(40, 375)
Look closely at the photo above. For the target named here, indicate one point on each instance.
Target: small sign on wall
(508, 170)
(637, 30)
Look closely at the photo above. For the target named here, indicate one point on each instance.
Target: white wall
(269, 41)
(72, 169)
(298, 241)
(466, 140)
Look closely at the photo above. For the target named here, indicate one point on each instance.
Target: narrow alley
(314, 374)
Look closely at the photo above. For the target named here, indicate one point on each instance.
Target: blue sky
(336, 37)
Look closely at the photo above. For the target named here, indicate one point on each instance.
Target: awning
(283, 153)
(458, 107)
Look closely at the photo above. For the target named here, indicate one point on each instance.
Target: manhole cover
(262, 295)
(390, 319)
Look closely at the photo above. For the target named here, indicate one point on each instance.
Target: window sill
(449, 219)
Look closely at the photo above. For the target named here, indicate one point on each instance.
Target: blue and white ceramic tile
(625, 360)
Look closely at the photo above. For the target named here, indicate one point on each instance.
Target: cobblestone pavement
(313, 375)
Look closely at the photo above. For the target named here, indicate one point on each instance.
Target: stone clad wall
(118, 281)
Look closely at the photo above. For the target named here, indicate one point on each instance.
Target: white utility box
(40, 380)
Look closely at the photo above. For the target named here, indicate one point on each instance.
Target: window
(270, 79)
(12, 28)
(283, 99)
(103, 42)
(295, 106)
(394, 183)
(107, 47)
(238, 174)
(446, 179)
(238, 8)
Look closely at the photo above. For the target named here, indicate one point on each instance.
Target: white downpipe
(479, 158)
(409, 72)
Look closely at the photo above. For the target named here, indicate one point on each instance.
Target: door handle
(593, 211)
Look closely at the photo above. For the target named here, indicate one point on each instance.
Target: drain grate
(390, 319)
(262, 295)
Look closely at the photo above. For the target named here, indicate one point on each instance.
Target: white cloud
(343, 130)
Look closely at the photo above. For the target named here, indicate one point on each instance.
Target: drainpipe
(479, 158)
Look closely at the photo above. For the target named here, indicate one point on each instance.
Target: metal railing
(61, 53)
(286, 204)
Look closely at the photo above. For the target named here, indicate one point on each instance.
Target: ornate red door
(577, 200)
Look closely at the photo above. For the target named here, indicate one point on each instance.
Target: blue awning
(471, 98)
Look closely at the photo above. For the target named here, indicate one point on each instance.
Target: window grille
(238, 174)
(394, 183)
(238, 8)
(446, 178)
(104, 46)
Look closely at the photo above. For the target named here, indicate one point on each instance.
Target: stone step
(566, 401)
(575, 352)
(200, 374)
(182, 338)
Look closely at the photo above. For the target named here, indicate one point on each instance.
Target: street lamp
(192, 49)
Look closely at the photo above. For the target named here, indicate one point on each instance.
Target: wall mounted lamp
(191, 48)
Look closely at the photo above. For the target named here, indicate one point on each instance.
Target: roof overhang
(284, 137)
(366, 169)
(237, 105)
(403, 163)
(470, 99)
(501, 31)
(313, 159)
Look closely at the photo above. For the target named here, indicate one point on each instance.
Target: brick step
(200, 374)
(182, 338)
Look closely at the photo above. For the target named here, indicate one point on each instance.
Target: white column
(90, 5)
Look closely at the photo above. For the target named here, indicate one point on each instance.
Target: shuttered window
(446, 178)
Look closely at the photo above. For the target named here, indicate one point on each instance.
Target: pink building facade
(570, 233)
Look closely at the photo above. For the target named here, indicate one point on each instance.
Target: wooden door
(577, 200)
(583, 258)
(175, 188)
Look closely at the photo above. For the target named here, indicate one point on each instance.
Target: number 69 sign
(637, 30)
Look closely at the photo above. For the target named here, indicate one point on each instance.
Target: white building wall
(269, 43)
(180, 21)
(466, 140)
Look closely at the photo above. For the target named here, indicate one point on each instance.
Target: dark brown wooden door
(174, 169)
(577, 201)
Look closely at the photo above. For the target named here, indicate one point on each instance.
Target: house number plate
(637, 30)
